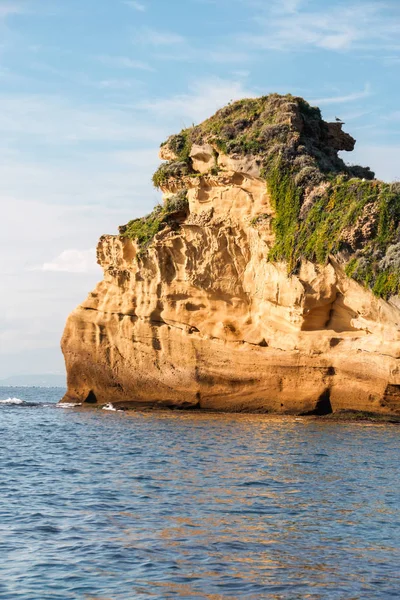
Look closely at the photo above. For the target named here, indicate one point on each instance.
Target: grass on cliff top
(261, 127)
(254, 126)
(144, 229)
(249, 126)
(353, 214)
(266, 127)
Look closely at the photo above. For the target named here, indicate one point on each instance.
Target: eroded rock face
(338, 139)
(202, 319)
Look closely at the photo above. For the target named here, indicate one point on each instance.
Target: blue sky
(89, 89)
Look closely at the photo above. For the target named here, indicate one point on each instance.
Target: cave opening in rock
(91, 398)
(324, 406)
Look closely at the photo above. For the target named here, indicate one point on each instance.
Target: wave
(25, 403)
(12, 401)
(18, 402)
(68, 405)
(109, 407)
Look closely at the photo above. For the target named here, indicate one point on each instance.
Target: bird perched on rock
(338, 120)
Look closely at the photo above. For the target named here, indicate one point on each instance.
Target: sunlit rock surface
(202, 319)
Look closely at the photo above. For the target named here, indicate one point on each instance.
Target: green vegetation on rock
(170, 213)
(357, 218)
(170, 170)
(286, 201)
(322, 206)
(181, 144)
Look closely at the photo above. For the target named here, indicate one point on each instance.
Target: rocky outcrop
(338, 139)
(200, 316)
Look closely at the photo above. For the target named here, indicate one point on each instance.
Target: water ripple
(107, 505)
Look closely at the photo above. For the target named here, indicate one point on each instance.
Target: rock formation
(266, 282)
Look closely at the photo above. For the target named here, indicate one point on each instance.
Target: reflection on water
(188, 505)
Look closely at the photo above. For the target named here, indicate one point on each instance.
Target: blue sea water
(108, 506)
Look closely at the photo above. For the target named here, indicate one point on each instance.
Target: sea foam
(12, 401)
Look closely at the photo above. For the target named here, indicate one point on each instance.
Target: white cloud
(202, 100)
(59, 199)
(337, 28)
(136, 5)
(155, 37)
(343, 99)
(72, 261)
(52, 119)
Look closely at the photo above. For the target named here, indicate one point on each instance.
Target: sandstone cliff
(267, 281)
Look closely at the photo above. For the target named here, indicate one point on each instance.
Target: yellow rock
(203, 320)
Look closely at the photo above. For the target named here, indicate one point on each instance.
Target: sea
(105, 505)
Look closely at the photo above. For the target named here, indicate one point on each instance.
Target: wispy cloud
(124, 62)
(135, 5)
(71, 261)
(155, 37)
(344, 98)
(300, 25)
(203, 98)
(54, 120)
(335, 28)
(106, 187)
